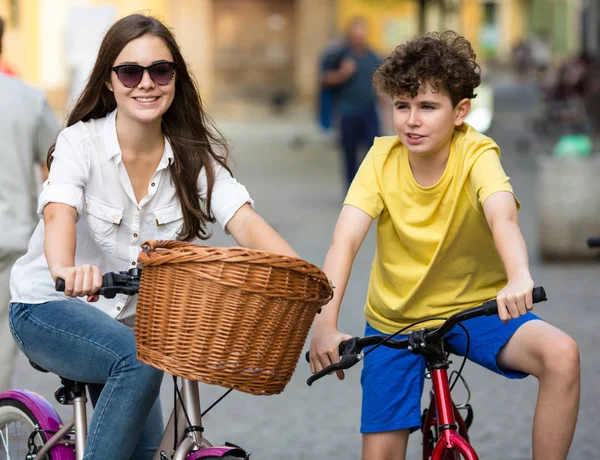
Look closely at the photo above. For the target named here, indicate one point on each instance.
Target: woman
(137, 161)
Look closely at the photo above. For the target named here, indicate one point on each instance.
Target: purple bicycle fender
(46, 416)
(213, 452)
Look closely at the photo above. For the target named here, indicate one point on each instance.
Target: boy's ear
(462, 109)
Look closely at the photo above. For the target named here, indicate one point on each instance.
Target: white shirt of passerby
(88, 174)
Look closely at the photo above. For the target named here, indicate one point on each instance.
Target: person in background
(347, 70)
(28, 129)
(4, 67)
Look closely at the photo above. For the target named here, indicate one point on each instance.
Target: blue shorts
(392, 380)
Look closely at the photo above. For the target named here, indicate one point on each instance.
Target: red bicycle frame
(443, 416)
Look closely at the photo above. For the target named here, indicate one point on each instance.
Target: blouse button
(135, 235)
(153, 184)
(133, 263)
(118, 308)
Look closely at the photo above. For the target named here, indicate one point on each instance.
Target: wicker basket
(226, 316)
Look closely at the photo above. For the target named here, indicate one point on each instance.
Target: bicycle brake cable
(424, 321)
(187, 417)
(401, 331)
(216, 402)
(464, 358)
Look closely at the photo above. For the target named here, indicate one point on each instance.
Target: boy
(448, 239)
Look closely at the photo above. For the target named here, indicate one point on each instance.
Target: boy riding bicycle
(448, 238)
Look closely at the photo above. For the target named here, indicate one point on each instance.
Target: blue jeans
(79, 342)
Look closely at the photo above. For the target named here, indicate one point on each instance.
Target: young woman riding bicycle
(139, 160)
(448, 239)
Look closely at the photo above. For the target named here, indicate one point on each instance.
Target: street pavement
(293, 173)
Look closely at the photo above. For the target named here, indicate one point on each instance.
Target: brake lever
(345, 363)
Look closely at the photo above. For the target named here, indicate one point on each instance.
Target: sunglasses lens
(162, 72)
(130, 75)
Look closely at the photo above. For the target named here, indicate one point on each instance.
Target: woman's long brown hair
(191, 133)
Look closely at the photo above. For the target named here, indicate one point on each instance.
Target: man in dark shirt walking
(348, 72)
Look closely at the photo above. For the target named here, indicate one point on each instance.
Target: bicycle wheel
(17, 426)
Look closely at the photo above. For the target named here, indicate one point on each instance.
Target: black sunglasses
(131, 74)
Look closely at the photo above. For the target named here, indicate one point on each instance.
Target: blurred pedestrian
(28, 129)
(4, 67)
(328, 60)
(347, 70)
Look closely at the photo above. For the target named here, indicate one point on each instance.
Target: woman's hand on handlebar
(80, 281)
(324, 348)
(516, 298)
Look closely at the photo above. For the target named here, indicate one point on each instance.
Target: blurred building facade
(267, 50)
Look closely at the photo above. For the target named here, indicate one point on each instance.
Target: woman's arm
(501, 213)
(251, 231)
(59, 248)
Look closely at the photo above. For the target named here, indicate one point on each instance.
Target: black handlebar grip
(59, 285)
(490, 307)
(594, 242)
(539, 294)
(307, 356)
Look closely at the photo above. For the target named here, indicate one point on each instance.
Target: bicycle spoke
(5, 441)
(13, 440)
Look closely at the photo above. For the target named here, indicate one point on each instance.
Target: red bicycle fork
(449, 422)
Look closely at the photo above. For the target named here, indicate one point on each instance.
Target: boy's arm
(350, 231)
(515, 299)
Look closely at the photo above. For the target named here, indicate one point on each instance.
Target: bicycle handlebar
(113, 283)
(350, 350)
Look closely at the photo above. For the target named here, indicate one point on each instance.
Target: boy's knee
(562, 358)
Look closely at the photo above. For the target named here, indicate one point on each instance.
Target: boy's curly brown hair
(444, 61)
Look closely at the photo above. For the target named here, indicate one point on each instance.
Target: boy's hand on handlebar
(516, 298)
(80, 281)
(324, 349)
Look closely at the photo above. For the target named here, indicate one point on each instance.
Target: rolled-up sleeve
(68, 174)
(228, 195)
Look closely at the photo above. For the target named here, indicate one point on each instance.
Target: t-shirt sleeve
(488, 177)
(365, 191)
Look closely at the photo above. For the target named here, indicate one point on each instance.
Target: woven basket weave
(226, 316)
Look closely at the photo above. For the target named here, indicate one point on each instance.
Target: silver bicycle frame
(79, 421)
(185, 442)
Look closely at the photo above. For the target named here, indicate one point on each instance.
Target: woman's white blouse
(88, 173)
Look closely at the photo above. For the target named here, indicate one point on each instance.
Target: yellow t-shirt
(435, 252)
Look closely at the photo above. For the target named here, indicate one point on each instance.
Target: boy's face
(425, 123)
